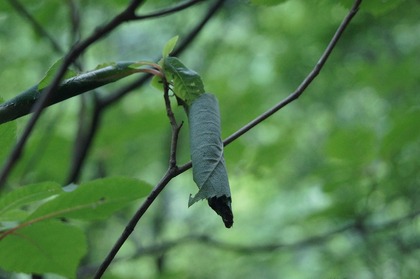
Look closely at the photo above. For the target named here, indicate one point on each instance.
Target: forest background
(328, 187)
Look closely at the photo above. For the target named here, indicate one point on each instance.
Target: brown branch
(193, 33)
(305, 83)
(74, 15)
(170, 173)
(175, 171)
(174, 125)
(171, 10)
(104, 102)
(205, 239)
(238, 248)
(310, 241)
(127, 15)
(185, 42)
(301, 88)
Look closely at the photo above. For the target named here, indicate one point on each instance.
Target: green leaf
(49, 76)
(209, 170)
(11, 203)
(169, 47)
(157, 83)
(187, 84)
(93, 200)
(44, 247)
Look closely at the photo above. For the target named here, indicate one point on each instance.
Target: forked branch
(75, 52)
(175, 171)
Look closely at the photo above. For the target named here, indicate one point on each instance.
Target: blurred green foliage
(339, 167)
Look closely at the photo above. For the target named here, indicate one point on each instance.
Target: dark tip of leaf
(222, 206)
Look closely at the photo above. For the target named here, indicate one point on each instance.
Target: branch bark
(102, 103)
(74, 53)
(174, 171)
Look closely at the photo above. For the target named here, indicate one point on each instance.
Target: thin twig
(185, 42)
(193, 33)
(239, 248)
(301, 88)
(102, 103)
(170, 173)
(174, 171)
(38, 28)
(205, 239)
(305, 83)
(271, 247)
(171, 10)
(127, 15)
(174, 125)
(74, 15)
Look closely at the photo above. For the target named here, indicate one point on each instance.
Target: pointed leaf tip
(169, 47)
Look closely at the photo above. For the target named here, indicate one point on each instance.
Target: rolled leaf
(208, 164)
(73, 85)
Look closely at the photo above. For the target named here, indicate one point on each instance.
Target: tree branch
(174, 125)
(301, 88)
(175, 171)
(167, 11)
(271, 247)
(104, 102)
(305, 83)
(74, 15)
(204, 239)
(76, 51)
(193, 33)
(186, 41)
(170, 173)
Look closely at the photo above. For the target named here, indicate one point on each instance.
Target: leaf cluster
(30, 222)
